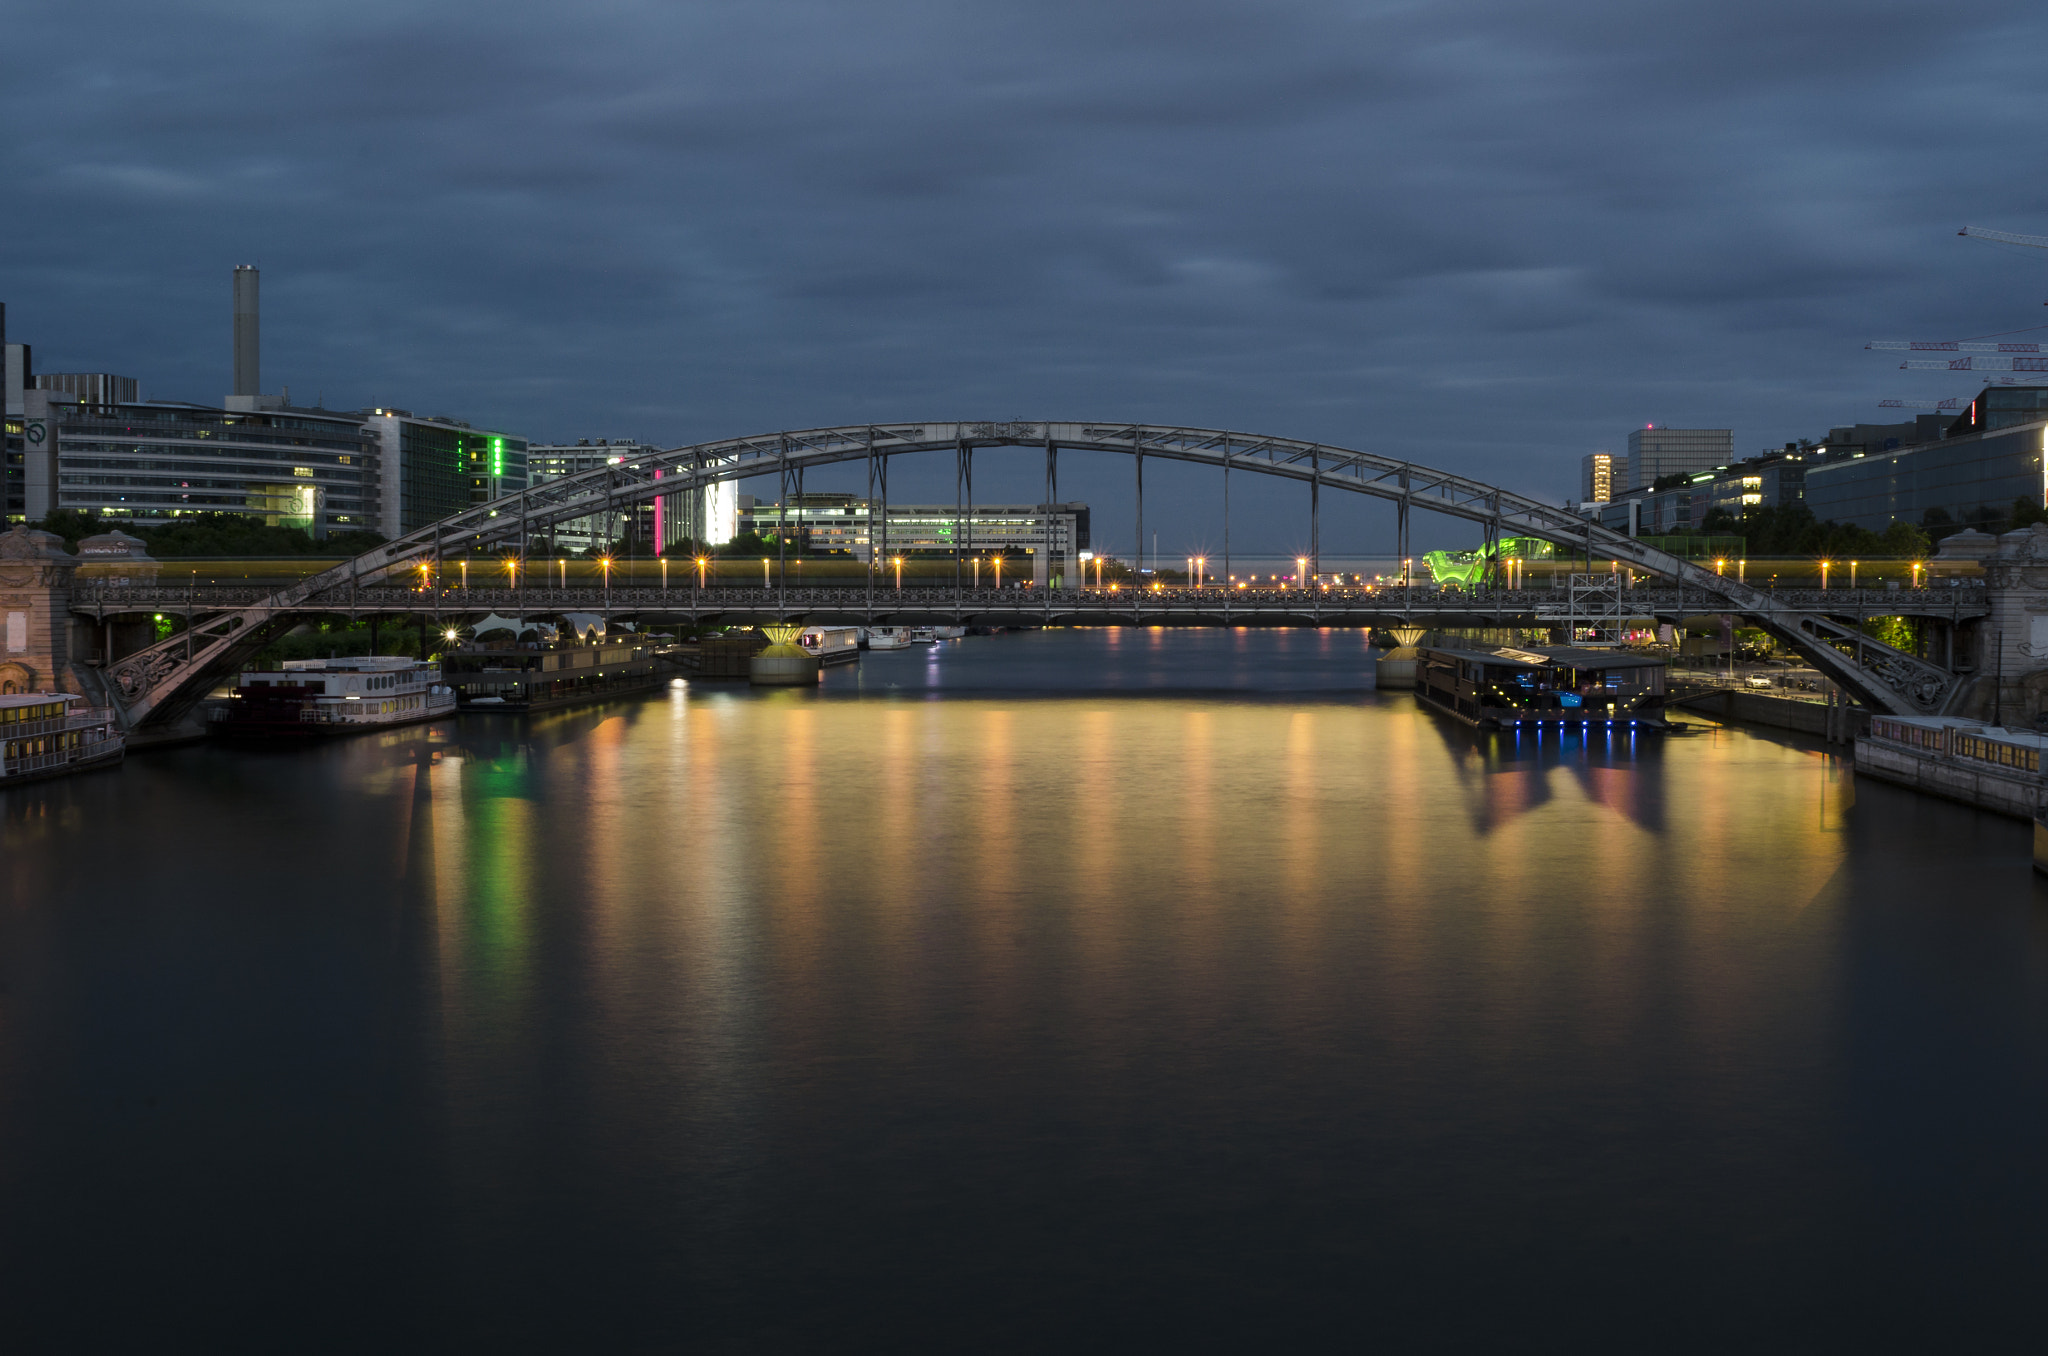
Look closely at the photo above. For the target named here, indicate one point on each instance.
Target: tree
(1905, 540)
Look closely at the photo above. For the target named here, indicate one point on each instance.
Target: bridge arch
(1884, 678)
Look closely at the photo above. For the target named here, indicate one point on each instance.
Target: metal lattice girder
(1884, 678)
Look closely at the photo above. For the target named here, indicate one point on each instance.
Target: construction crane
(2038, 242)
(1977, 365)
(1950, 346)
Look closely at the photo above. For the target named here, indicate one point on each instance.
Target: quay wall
(1986, 788)
(1780, 713)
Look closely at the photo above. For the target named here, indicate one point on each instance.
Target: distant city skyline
(682, 225)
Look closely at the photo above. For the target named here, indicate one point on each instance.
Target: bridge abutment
(2008, 647)
(41, 642)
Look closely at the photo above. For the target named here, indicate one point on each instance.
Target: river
(1093, 988)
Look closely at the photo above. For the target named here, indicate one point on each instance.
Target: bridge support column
(42, 645)
(2010, 653)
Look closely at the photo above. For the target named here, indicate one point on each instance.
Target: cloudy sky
(1487, 236)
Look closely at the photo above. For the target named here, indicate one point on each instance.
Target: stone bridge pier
(41, 643)
(2008, 652)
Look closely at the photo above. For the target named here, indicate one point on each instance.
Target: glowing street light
(996, 561)
(1824, 575)
(564, 563)
(1201, 571)
(977, 572)
(464, 563)
(702, 561)
(1301, 571)
(1916, 574)
(1852, 574)
(898, 563)
(764, 572)
(1721, 566)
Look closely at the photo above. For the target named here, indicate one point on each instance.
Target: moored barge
(535, 676)
(53, 734)
(1549, 688)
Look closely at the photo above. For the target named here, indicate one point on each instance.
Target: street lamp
(1916, 574)
(1852, 574)
(702, 561)
(898, 562)
(1301, 571)
(464, 563)
(1720, 567)
(977, 572)
(764, 572)
(1824, 575)
(996, 563)
(564, 563)
(1201, 571)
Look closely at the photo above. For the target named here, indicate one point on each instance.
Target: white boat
(304, 697)
(948, 632)
(889, 638)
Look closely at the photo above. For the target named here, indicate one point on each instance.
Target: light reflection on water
(1169, 984)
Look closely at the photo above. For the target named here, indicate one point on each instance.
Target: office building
(1992, 457)
(91, 388)
(432, 466)
(553, 461)
(150, 462)
(840, 522)
(1654, 453)
(1596, 478)
(14, 380)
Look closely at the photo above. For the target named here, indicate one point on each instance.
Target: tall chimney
(248, 345)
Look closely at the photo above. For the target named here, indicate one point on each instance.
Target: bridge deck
(1204, 606)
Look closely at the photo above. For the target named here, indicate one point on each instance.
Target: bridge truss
(156, 684)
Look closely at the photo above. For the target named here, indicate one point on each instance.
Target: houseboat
(1549, 688)
(511, 676)
(304, 698)
(832, 644)
(50, 734)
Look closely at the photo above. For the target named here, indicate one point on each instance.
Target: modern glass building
(153, 461)
(1972, 477)
(434, 466)
(1655, 452)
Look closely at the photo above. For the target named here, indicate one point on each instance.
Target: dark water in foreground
(1090, 988)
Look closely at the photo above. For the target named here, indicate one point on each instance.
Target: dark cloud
(1486, 235)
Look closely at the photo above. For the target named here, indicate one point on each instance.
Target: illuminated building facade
(154, 461)
(840, 522)
(431, 467)
(1596, 478)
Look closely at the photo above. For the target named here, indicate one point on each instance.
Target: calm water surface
(1099, 988)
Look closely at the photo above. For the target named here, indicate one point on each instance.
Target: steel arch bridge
(158, 684)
